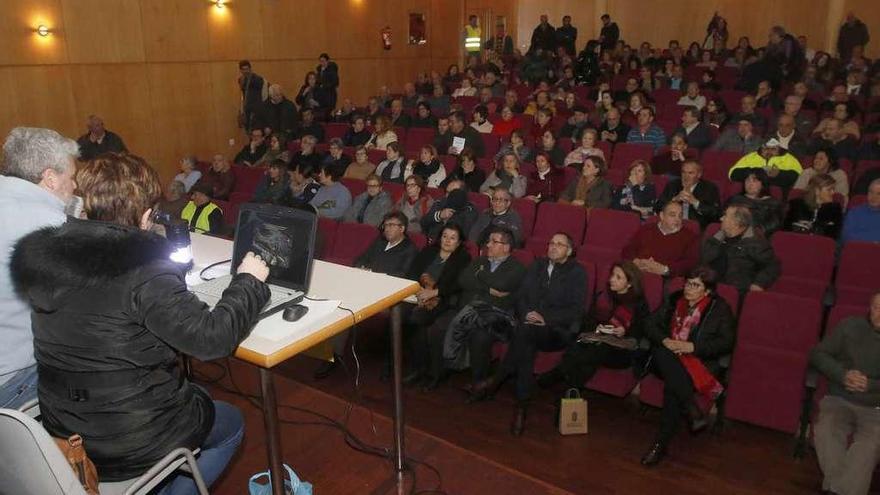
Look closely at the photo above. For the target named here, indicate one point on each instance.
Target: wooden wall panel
(20, 44)
(99, 31)
(37, 96)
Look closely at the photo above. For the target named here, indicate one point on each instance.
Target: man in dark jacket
(464, 136)
(609, 34)
(544, 36)
(251, 153)
(278, 114)
(454, 208)
(500, 214)
(566, 36)
(699, 198)
(549, 308)
(253, 94)
(98, 140)
(328, 79)
(696, 133)
(741, 258)
(852, 33)
(309, 127)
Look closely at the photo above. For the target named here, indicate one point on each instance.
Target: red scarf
(685, 320)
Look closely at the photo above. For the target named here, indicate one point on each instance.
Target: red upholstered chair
(448, 162)
(419, 239)
(857, 273)
(490, 144)
(376, 156)
(355, 186)
(556, 217)
(626, 153)
(608, 231)
(334, 130)
(732, 99)
(716, 164)
(479, 200)
(352, 239)
(395, 190)
(803, 275)
(417, 137)
(524, 256)
(776, 333)
(247, 179)
(327, 229)
(526, 209)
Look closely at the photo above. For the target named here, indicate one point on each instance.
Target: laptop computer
(284, 238)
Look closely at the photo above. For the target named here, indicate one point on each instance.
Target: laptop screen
(283, 237)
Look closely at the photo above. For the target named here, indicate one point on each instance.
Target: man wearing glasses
(500, 214)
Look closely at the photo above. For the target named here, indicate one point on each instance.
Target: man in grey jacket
(500, 214)
(849, 358)
(36, 186)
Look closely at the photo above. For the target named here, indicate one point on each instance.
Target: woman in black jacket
(689, 334)
(766, 210)
(111, 314)
(816, 212)
(437, 268)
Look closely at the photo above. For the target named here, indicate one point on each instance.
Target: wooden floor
(471, 447)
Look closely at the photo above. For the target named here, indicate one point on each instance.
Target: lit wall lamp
(43, 30)
(220, 4)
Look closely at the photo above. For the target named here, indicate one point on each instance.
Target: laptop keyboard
(211, 291)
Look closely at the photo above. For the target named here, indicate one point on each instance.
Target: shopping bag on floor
(572, 413)
(292, 484)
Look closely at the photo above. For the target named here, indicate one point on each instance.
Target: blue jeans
(218, 448)
(19, 389)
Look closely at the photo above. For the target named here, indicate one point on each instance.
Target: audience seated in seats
(154, 407)
(871, 150)
(588, 148)
(423, 118)
(549, 310)
(766, 210)
(438, 100)
(637, 101)
(845, 433)
(98, 140)
(664, 248)
(816, 212)
(336, 158)
(576, 124)
(613, 130)
(38, 170)
(357, 134)
(765, 97)
(511, 100)
(689, 334)
(506, 175)
(862, 222)
(410, 97)
(543, 123)
(609, 338)
(844, 145)
(274, 185)
(747, 111)
(507, 124)
(590, 189)
(781, 166)
(427, 167)
(392, 253)
(604, 105)
(715, 114)
(699, 198)
(443, 137)
(277, 115)
(333, 199)
(696, 133)
(542, 101)
(308, 153)
(789, 138)
(670, 162)
(740, 256)
(453, 208)
(708, 82)
(252, 152)
(437, 269)
(546, 182)
(803, 125)
(692, 96)
(383, 135)
(308, 126)
(415, 202)
(499, 214)
(188, 175)
(302, 185)
(396, 117)
(516, 146)
(740, 137)
(484, 313)
(824, 162)
(276, 150)
(219, 177)
(647, 131)
(370, 206)
(374, 110)
(842, 114)
(393, 167)
(346, 112)
(466, 171)
(174, 199)
(361, 167)
(466, 89)
(461, 132)
(480, 120)
(637, 193)
(309, 96)
(550, 147)
(200, 213)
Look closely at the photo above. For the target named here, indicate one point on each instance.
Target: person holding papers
(111, 314)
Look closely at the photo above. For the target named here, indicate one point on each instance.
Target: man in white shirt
(38, 179)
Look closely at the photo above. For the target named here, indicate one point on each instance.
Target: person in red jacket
(664, 248)
(547, 182)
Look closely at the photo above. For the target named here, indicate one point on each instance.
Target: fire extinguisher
(386, 38)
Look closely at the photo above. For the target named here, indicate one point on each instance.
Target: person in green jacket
(201, 214)
(781, 166)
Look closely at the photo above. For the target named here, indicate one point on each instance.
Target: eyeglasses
(694, 284)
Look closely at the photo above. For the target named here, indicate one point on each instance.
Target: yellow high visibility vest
(472, 39)
(202, 223)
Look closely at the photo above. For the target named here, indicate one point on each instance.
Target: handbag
(292, 484)
(83, 467)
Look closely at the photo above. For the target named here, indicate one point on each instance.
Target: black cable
(212, 265)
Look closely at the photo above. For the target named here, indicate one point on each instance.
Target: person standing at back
(472, 36)
(610, 33)
(328, 80)
(38, 168)
(254, 92)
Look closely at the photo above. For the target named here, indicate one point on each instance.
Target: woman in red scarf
(690, 333)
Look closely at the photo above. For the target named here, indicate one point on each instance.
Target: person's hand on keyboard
(253, 264)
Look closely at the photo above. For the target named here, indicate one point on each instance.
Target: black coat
(281, 117)
(713, 338)
(395, 261)
(477, 279)
(559, 299)
(706, 193)
(742, 261)
(447, 285)
(111, 313)
(827, 221)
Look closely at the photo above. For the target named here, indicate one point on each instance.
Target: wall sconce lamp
(43, 30)
(220, 4)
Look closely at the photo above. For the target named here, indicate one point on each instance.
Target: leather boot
(518, 425)
(654, 455)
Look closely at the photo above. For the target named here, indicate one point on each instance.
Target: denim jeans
(219, 447)
(19, 389)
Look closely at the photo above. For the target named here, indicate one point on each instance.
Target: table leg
(397, 388)
(273, 431)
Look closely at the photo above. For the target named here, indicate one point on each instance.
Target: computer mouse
(295, 312)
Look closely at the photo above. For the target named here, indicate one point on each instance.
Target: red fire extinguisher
(386, 38)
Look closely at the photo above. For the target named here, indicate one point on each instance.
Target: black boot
(518, 425)
(327, 367)
(654, 455)
(484, 389)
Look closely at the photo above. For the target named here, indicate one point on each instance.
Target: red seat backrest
(327, 227)
(859, 265)
(355, 186)
(805, 256)
(417, 137)
(626, 153)
(247, 178)
(611, 228)
(556, 217)
(334, 130)
(526, 209)
(352, 239)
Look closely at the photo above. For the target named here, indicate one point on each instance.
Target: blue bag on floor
(292, 484)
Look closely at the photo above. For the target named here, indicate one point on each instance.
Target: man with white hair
(36, 186)
(98, 140)
(278, 115)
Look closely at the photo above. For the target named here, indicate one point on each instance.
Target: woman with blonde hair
(383, 134)
(816, 212)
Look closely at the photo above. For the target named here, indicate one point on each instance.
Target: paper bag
(572, 414)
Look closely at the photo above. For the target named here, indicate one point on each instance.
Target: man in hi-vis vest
(201, 214)
(473, 36)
